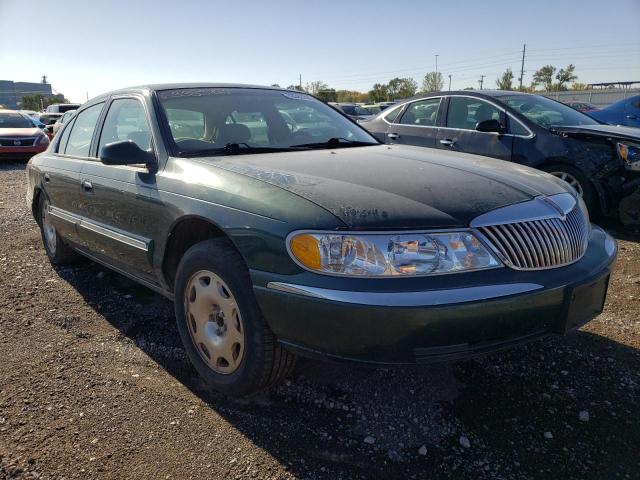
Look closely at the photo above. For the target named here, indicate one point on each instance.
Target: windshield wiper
(236, 149)
(336, 142)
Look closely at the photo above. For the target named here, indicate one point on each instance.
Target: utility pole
(481, 81)
(300, 82)
(449, 82)
(87, 96)
(524, 49)
(437, 65)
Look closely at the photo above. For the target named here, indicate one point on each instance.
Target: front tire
(220, 322)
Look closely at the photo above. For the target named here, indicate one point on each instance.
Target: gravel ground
(95, 384)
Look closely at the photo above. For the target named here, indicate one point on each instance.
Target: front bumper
(21, 153)
(420, 320)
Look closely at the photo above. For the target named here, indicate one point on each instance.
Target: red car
(582, 106)
(20, 139)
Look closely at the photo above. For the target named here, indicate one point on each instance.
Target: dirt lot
(94, 383)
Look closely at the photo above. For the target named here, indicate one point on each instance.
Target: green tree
(544, 76)
(402, 88)
(350, 96)
(40, 102)
(379, 93)
(314, 87)
(505, 81)
(327, 95)
(565, 75)
(579, 86)
(432, 82)
(295, 87)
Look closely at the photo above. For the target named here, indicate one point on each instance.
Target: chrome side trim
(539, 208)
(63, 215)
(113, 235)
(429, 298)
(94, 227)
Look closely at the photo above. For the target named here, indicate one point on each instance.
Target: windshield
(14, 120)
(546, 112)
(209, 120)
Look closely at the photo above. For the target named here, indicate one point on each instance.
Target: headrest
(233, 133)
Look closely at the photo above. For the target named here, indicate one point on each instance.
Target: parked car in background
(62, 120)
(623, 112)
(582, 106)
(376, 108)
(315, 240)
(20, 139)
(356, 112)
(600, 162)
(62, 107)
(49, 118)
(30, 113)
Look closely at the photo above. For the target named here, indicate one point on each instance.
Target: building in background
(11, 92)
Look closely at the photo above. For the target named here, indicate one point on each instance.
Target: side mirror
(127, 152)
(490, 126)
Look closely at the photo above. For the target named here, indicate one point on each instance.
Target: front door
(417, 125)
(119, 215)
(459, 133)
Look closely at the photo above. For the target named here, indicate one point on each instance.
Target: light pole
(449, 82)
(437, 65)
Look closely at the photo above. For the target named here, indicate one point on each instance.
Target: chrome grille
(542, 243)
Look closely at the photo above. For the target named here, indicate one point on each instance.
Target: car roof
(155, 87)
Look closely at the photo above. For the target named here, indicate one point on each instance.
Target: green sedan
(279, 227)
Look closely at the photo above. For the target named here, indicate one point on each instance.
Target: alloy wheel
(214, 322)
(570, 179)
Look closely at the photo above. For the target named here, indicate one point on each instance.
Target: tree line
(39, 102)
(548, 77)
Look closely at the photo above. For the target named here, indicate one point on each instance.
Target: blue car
(624, 112)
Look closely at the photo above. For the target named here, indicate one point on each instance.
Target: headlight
(630, 155)
(382, 255)
(44, 140)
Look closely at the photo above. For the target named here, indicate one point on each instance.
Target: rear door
(459, 131)
(61, 172)
(632, 113)
(417, 124)
(119, 216)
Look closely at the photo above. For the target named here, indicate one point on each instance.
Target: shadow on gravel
(519, 410)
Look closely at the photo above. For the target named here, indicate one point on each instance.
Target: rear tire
(221, 325)
(579, 181)
(59, 253)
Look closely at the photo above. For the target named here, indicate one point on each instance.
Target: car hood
(389, 186)
(20, 132)
(626, 133)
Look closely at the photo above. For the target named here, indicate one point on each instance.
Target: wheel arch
(184, 233)
(603, 200)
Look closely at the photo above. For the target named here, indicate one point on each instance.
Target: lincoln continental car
(279, 227)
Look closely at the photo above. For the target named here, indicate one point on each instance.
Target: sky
(87, 47)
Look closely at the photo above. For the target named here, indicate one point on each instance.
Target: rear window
(14, 120)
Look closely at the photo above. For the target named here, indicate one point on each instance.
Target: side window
(466, 112)
(392, 116)
(79, 141)
(516, 128)
(125, 120)
(64, 138)
(423, 112)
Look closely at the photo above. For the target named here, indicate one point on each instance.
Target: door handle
(392, 136)
(447, 143)
(86, 186)
(46, 177)
(631, 116)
